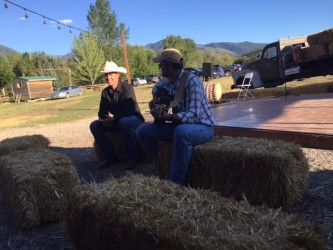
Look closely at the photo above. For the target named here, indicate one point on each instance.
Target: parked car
(217, 71)
(153, 78)
(230, 69)
(138, 81)
(67, 91)
(196, 71)
(239, 66)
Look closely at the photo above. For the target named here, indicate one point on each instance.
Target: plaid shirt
(193, 107)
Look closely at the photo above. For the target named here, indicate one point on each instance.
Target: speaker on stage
(207, 70)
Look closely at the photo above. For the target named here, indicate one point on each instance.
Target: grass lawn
(29, 114)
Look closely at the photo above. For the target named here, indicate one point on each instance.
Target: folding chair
(244, 88)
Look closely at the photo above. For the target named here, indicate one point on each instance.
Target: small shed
(33, 87)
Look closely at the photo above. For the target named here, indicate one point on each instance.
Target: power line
(41, 15)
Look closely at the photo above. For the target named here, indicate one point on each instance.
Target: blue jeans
(183, 136)
(126, 126)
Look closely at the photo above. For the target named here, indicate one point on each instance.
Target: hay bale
(22, 143)
(35, 183)
(325, 36)
(264, 171)
(315, 51)
(121, 150)
(137, 212)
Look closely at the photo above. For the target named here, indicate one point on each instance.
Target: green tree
(89, 58)
(25, 67)
(6, 74)
(140, 61)
(13, 58)
(186, 46)
(104, 25)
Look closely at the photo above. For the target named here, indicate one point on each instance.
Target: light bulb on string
(26, 15)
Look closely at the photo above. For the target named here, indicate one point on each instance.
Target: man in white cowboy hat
(191, 121)
(118, 112)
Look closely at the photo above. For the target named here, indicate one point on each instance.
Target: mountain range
(241, 48)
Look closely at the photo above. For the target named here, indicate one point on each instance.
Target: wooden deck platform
(304, 119)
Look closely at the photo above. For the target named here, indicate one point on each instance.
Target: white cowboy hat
(113, 67)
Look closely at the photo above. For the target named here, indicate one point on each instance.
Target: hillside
(237, 48)
(220, 48)
(216, 48)
(5, 50)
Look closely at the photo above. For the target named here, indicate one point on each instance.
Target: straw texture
(325, 36)
(35, 182)
(263, 171)
(23, 142)
(138, 212)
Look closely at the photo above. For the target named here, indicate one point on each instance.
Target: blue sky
(149, 21)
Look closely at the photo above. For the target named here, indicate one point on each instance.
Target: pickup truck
(289, 59)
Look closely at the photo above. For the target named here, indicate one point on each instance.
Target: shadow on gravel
(86, 160)
(54, 236)
(315, 205)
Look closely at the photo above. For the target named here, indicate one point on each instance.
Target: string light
(43, 16)
(26, 15)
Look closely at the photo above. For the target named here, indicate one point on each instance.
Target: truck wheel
(227, 73)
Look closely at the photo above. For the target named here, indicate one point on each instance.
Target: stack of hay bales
(320, 44)
(264, 171)
(325, 36)
(121, 150)
(137, 212)
(35, 180)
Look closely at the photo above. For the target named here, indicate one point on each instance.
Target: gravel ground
(75, 141)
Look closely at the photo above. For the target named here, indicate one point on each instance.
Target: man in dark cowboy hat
(118, 112)
(191, 121)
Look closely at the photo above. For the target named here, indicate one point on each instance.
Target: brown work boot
(131, 163)
(106, 164)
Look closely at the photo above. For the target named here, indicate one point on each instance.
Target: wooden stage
(305, 119)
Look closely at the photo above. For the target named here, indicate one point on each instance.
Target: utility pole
(125, 57)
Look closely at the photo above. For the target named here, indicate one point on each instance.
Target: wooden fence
(95, 86)
(4, 98)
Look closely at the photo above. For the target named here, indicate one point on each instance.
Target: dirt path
(75, 141)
